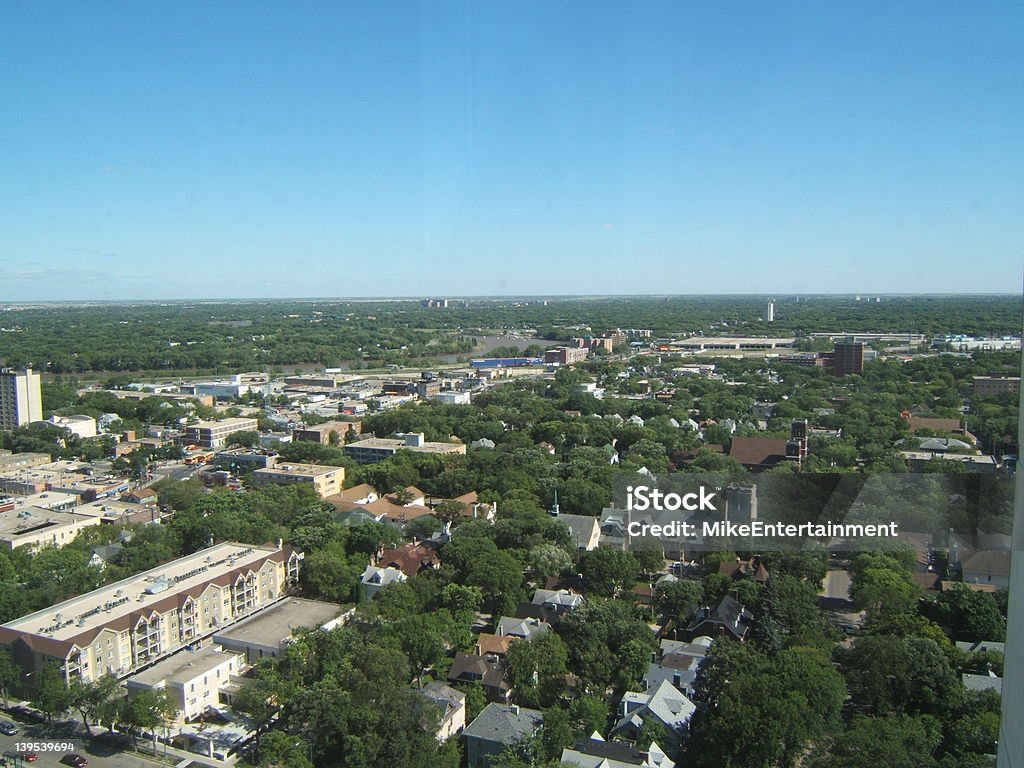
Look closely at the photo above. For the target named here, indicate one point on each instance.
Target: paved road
(836, 586)
(98, 755)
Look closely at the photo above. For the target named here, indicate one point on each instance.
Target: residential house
(374, 579)
(595, 752)
(453, 708)
(524, 628)
(987, 567)
(495, 729)
(488, 671)
(666, 705)
(410, 559)
(727, 619)
(745, 569)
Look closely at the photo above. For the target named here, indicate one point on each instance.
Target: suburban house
(524, 628)
(987, 567)
(678, 664)
(595, 752)
(486, 670)
(742, 569)
(374, 579)
(496, 728)
(665, 704)
(410, 559)
(453, 708)
(727, 619)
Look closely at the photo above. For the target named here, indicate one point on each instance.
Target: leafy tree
(10, 674)
(148, 710)
(607, 571)
(893, 674)
(678, 599)
(91, 698)
(896, 741)
(600, 636)
(536, 669)
(52, 696)
(547, 560)
(969, 615)
(881, 591)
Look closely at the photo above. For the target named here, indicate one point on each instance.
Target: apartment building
(21, 400)
(127, 626)
(326, 481)
(192, 679)
(992, 386)
(214, 434)
(267, 634)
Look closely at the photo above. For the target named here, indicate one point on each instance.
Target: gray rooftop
(185, 666)
(274, 624)
(504, 723)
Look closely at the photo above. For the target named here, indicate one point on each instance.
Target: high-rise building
(770, 314)
(848, 358)
(21, 401)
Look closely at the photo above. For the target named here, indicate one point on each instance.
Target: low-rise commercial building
(322, 433)
(214, 434)
(373, 449)
(79, 424)
(34, 528)
(326, 481)
(10, 460)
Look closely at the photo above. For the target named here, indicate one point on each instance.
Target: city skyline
(408, 150)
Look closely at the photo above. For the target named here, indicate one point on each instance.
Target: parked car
(8, 728)
(76, 761)
(28, 757)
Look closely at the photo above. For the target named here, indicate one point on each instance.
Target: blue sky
(201, 150)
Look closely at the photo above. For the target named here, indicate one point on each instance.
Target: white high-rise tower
(770, 314)
(21, 401)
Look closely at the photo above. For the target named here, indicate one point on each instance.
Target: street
(99, 755)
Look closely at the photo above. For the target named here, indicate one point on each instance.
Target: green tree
(52, 696)
(536, 669)
(607, 571)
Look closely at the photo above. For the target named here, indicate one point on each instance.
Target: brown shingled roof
(758, 451)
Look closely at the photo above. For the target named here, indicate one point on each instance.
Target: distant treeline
(236, 336)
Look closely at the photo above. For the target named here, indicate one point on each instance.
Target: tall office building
(770, 314)
(848, 358)
(21, 401)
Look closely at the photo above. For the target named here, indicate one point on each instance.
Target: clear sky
(246, 149)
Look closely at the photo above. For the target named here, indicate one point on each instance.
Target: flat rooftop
(45, 500)
(29, 520)
(184, 666)
(292, 470)
(274, 624)
(237, 421)
(100, 607)
(390, 443)
(109, 508)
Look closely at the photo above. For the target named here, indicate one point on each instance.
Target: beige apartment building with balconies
(129, 625)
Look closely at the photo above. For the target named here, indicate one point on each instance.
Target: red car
(28, 757)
